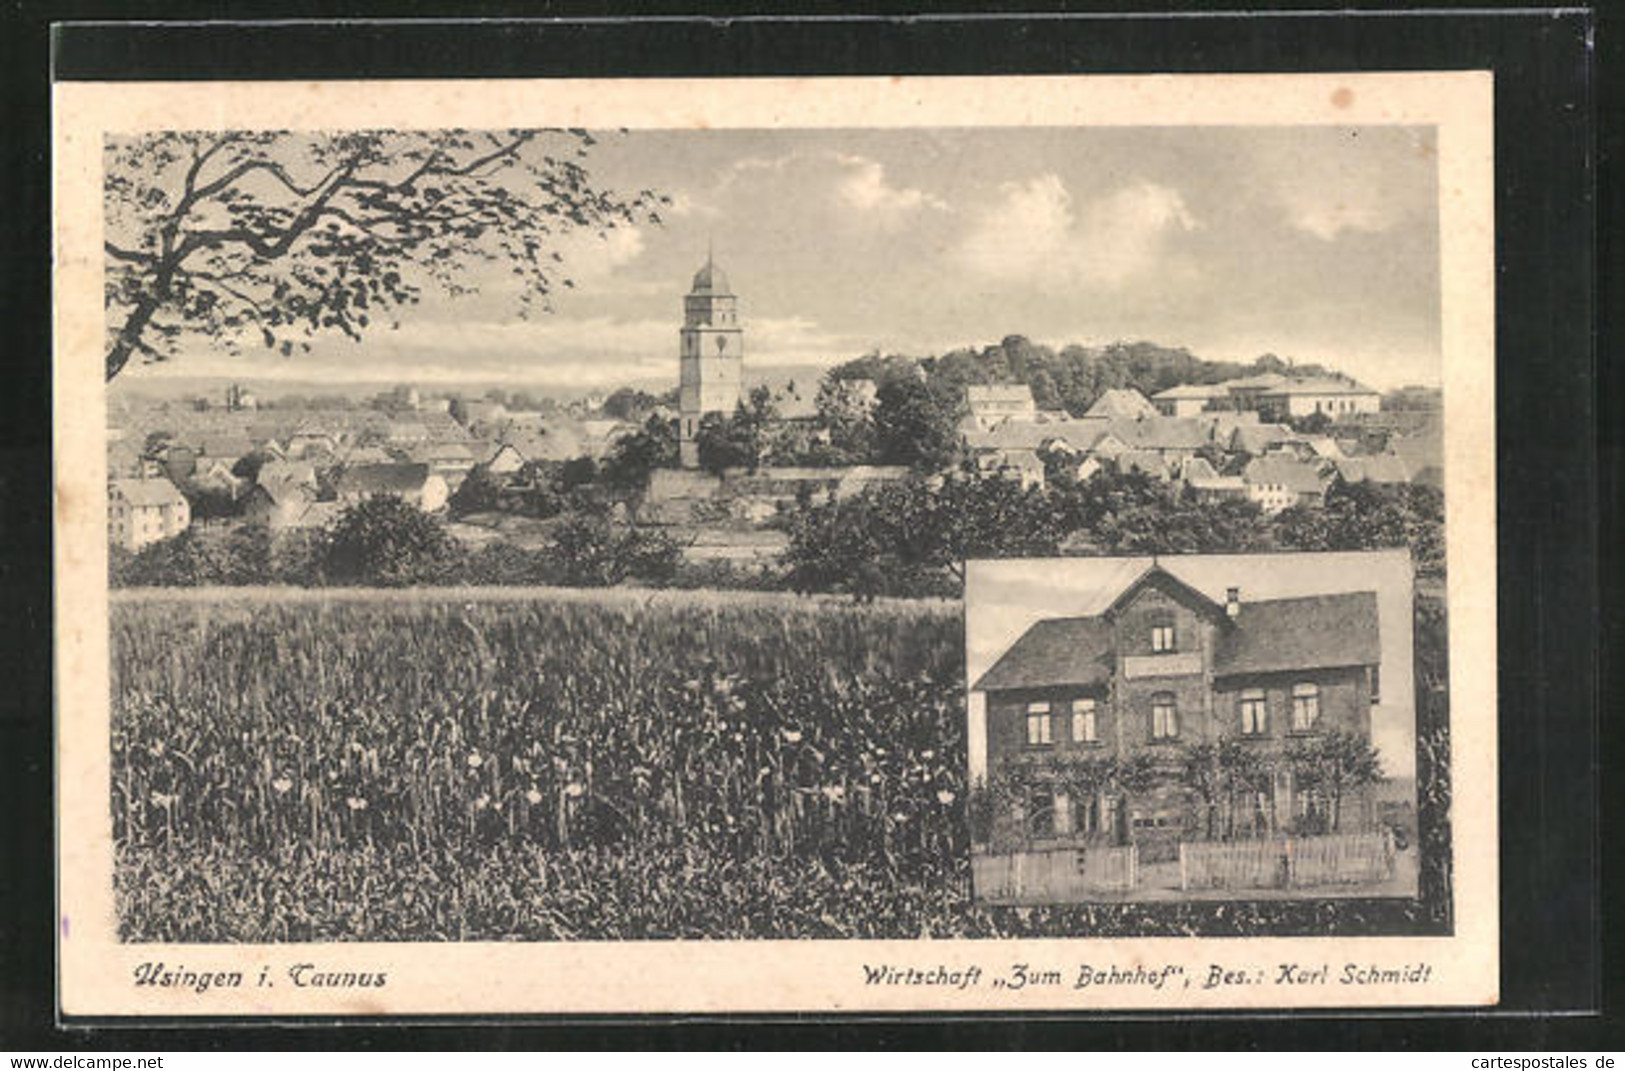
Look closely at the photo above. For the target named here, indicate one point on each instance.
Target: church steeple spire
(711, 359)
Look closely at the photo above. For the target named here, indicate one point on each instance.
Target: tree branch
(198, 160)
(133, 256)
(265, 247)
(275, 170)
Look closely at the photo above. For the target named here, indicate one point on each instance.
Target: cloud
(849, 183)
(752, 165)
(590, 256)
(794, 340)
(1353, 184)
(863, 186)
(1032, 223)
(1326, 219)
(1034, 233)
(682, 204)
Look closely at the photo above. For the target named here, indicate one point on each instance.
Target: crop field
(550, 765)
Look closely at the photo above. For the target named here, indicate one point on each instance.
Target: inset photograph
(1192, 727)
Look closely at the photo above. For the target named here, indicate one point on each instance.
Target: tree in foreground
(590, 551)
(914, 426)
(913, 537)
(738, 440)
(389, 542)
(272, 237)
(636, 455)
(182, 561)
(1335, 766)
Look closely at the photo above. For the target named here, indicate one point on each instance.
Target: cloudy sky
(1318, 243)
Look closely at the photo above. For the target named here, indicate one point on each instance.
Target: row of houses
(1271, 395)
(306, 471)
(1220, 452)
(286, 495)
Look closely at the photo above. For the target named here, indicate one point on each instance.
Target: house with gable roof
(413, 482)
(1163, 667)
(143, 511)
(1173, 439)
(990, 404)
(1373, 468)
(279, 503)
(1189, 399)
(1277, 482)
(1020, 466)
(1328, 396)
(1205, 481)
(1121, 403)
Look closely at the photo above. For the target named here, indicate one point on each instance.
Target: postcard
(816, 545)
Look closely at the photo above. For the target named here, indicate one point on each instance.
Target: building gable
(1160, 580)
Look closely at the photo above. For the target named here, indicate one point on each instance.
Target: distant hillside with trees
(1070, 378)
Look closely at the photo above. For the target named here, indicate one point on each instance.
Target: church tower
(711, 363)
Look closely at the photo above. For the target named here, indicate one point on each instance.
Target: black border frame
(1548, 424)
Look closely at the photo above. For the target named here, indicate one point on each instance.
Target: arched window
(1164, 717)
(1305, 706)
(1041, 813)
(1254, 713)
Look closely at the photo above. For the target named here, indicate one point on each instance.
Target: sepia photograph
(1198, 727)
(623, 534)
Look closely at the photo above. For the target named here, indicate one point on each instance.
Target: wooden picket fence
(1053, 875)
(1245, 864)
(1340, 859)
(1289, 862)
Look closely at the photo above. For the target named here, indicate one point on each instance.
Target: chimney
(1232, 602)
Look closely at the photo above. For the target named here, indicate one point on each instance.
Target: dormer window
(1162, 638)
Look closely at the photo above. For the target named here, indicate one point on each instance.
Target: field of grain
(550, 765)
(460, 766)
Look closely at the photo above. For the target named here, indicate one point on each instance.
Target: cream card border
(96, 971)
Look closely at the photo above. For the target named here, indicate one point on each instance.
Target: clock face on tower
(722, 343)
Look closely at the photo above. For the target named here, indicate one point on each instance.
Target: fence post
(1291, 865)
(1184, 877)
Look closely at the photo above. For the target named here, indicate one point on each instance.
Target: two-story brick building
(1164, 668)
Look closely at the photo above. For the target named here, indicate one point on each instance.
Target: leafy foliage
(915, 425)
(1071, 378)
(630, 404)
(184, 560)
(636, 455)
(910, 537)
(479, 492)
(895, 538)
(589, 551)
(250, 237)
(740, 439)
(1334, 765)
(1367, 516)
(386, 541)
